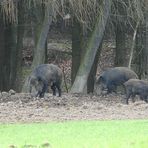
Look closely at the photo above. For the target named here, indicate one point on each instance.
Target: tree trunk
(39, 55)
(7, 55)
(76, 48)
(91, 49)
(121, 35)
(78, 43)
(121, 49)
(92, 74)
(12, 33)
(40, 50)
(20, 35)
(141, 52)
(2, 51)
(133, 45)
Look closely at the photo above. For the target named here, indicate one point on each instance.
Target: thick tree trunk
(121, 49)
(76, 48)
(40, 50)
(7, 56)
(2, 51)
(39, 55)
(12, 33)
(20, 35)
(141, 52)
(78, 42)
(145, 49)
(91, 49)
(92, 74)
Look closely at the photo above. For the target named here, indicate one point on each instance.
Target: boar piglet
(46, 75)
(136, 87)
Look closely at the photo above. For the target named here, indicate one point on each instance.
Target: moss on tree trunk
(91, 50)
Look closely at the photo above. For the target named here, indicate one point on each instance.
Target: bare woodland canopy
(86, 11)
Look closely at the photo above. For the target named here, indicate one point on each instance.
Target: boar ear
(100, 79)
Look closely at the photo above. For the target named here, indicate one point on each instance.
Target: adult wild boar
(136, 87)
(46, 75)
(113, 77)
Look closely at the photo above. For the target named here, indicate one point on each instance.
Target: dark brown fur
(136, 87)
(46, 75)
(113, 77)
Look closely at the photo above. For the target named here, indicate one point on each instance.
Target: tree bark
(40, 50)
(92, 74)
(20, 35)
(2, 49)
(141, 52)
(8, 55)
(133, 45)
(121, 35)
(76, 48)
(39, 55)
(121, 49)
(12, 33)
(91, 49)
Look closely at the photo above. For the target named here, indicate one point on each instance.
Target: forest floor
(23, 108)
(19, 107)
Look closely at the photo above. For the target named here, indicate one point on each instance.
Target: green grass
(77, 134)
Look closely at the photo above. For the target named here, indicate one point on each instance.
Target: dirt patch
(24, 108)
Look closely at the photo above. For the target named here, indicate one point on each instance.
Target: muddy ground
(25, 109)
(18, 107)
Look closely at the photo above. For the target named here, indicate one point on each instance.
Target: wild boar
(113, 77)
(136, 87)
(43, 76)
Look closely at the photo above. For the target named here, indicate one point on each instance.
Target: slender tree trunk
(46, 51)
(133, 45)
(91, 49)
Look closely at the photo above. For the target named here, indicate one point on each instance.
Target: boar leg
(59, 89)
(53, 87)
(133, 98)
(44, 89)
(30, 89)
(128, 94)
(145, 99)
(38, 94)
(111, 88)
